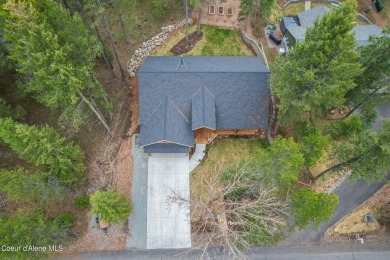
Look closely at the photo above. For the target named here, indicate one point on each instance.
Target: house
(188, 100)
(294, 28)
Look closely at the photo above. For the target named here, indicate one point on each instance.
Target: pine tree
(317, 73)
(111, 206)
(55, 55)
(375, 79)
(45, 148)
(366, 153)
(23, 186)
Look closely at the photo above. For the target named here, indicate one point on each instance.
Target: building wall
(218, 19)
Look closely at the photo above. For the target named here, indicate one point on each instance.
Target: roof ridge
(209, 91)
(178, 110)
(166, 117)
(154, 111)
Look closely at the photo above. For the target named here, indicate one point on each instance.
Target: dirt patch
(184, 46)
(353, 223)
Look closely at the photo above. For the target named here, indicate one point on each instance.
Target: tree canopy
(45, 148)
(54, 53)
(280, 164)
(367, 154)
(316, 73)
(312, 208)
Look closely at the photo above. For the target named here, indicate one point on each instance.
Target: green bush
(66, 219)
(111, 206)
(82, 202)
(313, 208)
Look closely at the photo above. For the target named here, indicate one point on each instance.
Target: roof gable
(167, 124)
(203, 109)
(308, 17)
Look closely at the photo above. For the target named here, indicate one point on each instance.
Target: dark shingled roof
(239, 86)
(203, 109)
(165, 148)
(167, 123)
(363, 33)
(308, 17)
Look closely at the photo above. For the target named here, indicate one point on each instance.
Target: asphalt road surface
(350, 196)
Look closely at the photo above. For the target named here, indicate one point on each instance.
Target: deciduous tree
(312, 208)
(280, 164)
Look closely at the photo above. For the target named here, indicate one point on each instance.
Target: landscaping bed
(184, 46)
(353, 223)
(216, 41)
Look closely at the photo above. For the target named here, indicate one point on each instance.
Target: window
(220, 10)
(211, 9)
(230, 11)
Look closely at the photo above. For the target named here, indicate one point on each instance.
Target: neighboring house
(184, 101)
(294, 27)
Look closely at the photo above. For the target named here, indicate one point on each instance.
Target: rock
(132, 74)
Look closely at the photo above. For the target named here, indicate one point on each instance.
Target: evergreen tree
(317, 73)
(280, 164)
(375, 79)
(24, 186)
(54, 52)
(25, 229)
(111, 206)
(45, 148)
(313, 146)
(312, 208)
(366, 153)
(18, 113)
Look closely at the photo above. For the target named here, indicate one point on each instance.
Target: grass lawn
(216, 42)
(222, 154)
(293, 9)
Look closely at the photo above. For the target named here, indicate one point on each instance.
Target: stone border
(151, 44)
(360, 16)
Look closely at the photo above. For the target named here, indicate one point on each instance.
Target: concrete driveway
(168, 222)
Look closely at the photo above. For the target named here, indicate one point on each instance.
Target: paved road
(350, 196)
(346, 251)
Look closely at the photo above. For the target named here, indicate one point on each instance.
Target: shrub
(112, 206)
(82, 202)
(66, 219)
